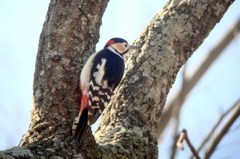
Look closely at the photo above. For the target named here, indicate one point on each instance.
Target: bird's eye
(126, 45)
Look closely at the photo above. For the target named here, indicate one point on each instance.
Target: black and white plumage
(99, 79)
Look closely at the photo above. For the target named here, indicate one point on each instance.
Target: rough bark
(129, 125)
(131, 121)
(69, 35)
(173, 108)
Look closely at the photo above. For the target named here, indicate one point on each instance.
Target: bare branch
(215, 127)
(184, 136)
(179, 143)
(223, 131)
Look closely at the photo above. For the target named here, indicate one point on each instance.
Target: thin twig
(180, 141)
(215, 127)
(222, 132)
(184, 136)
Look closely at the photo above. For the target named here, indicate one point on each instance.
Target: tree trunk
(129, 124)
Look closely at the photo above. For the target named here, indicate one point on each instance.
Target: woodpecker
(99, 79)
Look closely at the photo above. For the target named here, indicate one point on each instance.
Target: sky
(21, 25)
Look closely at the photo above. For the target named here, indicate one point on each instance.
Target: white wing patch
(100, 73)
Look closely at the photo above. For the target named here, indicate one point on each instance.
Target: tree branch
(215, 127)
(212, 56)
(130, 122)
(184, 136)
(222, 132)
(129, 125)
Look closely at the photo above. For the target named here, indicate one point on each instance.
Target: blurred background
(215, 84)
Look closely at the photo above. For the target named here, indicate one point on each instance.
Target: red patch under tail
(80, 126)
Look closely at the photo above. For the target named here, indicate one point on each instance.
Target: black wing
(103, 85)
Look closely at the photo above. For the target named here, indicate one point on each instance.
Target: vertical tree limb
(70, 33)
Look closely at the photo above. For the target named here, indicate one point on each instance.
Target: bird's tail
(80, 126)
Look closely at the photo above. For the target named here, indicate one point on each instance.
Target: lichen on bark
(166, 44)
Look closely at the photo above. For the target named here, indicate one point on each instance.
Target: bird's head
(120, 46)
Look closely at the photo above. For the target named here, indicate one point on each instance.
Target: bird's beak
(134, 47)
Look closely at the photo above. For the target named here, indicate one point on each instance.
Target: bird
(99, 80)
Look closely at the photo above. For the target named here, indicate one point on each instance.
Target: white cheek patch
(100, 73)
(114, 51)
